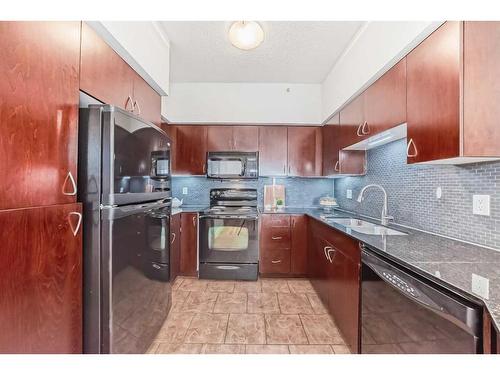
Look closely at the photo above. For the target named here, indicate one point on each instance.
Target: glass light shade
(246, 35)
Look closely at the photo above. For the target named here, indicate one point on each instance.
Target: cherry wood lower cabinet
(39, 113)
(334, 264)
(283, 245)
(189, 244)
(491, 336)
(175, 246)
(41, 282)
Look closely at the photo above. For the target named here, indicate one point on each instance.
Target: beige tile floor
(268, 316)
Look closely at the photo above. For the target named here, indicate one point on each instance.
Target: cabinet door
(147, 102)
(220, 138)
(189, 244)
(246, 138)
(41, 283)
(103, 74)
(481, 135)
(175, 246)
(298, 253)
(331, 146)
(190, 149)
(304, 151)
(39, 113)
(344, 296)
(273, 150)
(385, 100)
(352, 118)
(433, 101)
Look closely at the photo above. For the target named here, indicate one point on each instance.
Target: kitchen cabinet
(433, 92)
(105, 76)
(298, 254)
(385, 101)
(175, 246)
(336, 278)
(352, 120)
(283, 244)
(41, 283)
(39, 113)
(481, 49)
(331, 146)
(491, 336)
(233, 138)
(304, 151)
(273, 153)
(190, 149)
(189, 244)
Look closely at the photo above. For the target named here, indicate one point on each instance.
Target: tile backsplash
(412, 194)
(300, 192)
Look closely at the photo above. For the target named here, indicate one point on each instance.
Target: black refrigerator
(124, 186)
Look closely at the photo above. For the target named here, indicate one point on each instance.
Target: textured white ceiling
(292, 51)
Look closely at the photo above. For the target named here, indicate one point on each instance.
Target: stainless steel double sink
(361, 226)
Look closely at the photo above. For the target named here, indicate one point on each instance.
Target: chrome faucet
(384, 217)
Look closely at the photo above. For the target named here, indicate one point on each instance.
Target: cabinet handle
(325, 249)
(136, 104)
(284, 168)
(328, 254)
(78, 224)
(289, 166)
(415, 151)
(129, 100)
(358, 132)
(204, 168)
(194, 221)
(69, 177)
(277, 238)
(365, 129)
(276, 261)
(173, 238)
(336, 168)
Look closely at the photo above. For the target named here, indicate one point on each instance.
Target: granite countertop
(450, 263)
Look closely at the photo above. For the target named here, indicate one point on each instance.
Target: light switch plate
(184, 190)
(349, 194)
(481, 205)
(481, 286)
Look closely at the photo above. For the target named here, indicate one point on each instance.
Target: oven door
(228, 240)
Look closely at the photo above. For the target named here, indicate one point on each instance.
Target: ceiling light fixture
(246, 35)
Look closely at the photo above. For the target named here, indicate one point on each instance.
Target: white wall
(373, 51)
(143, 45)
(250, 103)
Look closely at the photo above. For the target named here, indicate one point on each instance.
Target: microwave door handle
(243, 170)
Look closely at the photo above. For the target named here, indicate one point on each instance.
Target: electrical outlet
(481, 205)
(481, 286)
(349, 194)
(184, 190)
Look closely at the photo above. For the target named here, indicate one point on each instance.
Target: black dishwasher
(403, 313)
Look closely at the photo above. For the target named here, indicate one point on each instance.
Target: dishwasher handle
(464, 315)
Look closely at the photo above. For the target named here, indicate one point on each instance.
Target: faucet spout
(384, 216)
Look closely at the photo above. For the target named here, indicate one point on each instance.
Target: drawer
(276, 238)
(276, 220)
(274, 261)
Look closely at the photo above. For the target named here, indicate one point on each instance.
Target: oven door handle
(250, 218)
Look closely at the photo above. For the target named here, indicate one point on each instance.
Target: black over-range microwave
(233, 165)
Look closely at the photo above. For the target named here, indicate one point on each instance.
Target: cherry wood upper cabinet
(103, 74)
(331, 146)
(190, 149)
(39, 113)
(352, 119)
(433, 95)
(41, 283)
(220, 138)
(273, 150)
(481, 89)
(385, 101)
(147, 102)
(304, 151)
(246, 138)
(189, 244)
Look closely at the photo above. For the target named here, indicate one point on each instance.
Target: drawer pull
(277, 238)
(276, 261)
